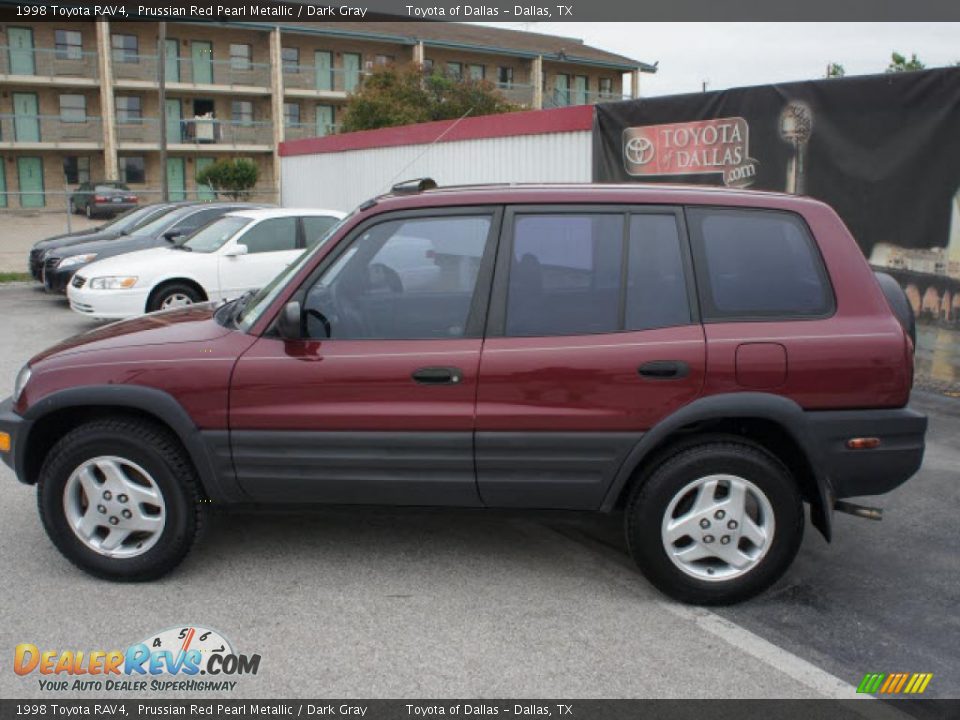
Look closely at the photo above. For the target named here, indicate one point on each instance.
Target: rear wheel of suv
(120, 499)
(716, 523)
(173, 295)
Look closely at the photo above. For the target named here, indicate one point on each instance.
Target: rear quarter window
(757, 264)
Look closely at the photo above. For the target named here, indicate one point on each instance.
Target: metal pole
(162, 84)
(66, 202)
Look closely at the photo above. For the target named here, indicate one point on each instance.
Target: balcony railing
(517, 93)
(566, 98)
(197, 131)
(50, 129)
(298, 131)
(43, 62)
(310, 77)
(190, 71)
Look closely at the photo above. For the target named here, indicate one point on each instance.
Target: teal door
(171, 61)
(201, 55)
(30, 178)
(174, 126)
(21, 50)
(351, 71)
(204, 192)
(3, 184)
(176, 180)
(561, 90)
(580, 90)
(323, 67)
(26, 123)
(325, 120)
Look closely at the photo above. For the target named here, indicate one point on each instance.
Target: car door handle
(438, 375)
(664, 369)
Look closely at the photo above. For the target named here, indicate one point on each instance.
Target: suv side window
(271, 235)
(402, 279)
(579, 274)
(757, 264)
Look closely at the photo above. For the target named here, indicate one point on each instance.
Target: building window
(126, 48)
(428, 66)
(383, 60)
(505, 76)
(76, 169)
(455, 70)
(291, 60)
(129, 109)
(606, 86)
(132, 169)
(69, 44)
(73, 108)
(476, 72)
(291, 114)
(242, 111)
(240, 55)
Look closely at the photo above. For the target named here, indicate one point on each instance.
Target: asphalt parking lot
(379, 603)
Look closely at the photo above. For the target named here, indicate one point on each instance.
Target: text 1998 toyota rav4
(704, 361)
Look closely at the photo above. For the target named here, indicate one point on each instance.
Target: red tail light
(100, 198)
(131, 198)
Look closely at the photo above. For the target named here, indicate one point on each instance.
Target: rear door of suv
(592, 337)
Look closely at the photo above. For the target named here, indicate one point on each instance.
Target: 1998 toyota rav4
(704, 361)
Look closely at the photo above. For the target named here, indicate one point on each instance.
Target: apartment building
(81, 101)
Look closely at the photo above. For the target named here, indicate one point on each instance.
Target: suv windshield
(261, 300)
(213, 236)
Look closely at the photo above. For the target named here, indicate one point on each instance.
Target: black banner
(200, 708)
(883, 150)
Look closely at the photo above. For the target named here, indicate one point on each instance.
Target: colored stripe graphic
(894, 683)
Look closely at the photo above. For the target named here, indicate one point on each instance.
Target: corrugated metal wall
(342, 180)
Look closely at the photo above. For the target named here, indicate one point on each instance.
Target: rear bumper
(111, 208)
(17, 427)
(854, 473)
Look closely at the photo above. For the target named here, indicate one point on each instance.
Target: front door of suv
(592, 338)
(376, 403)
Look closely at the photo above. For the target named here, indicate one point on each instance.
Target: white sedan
(240, 251)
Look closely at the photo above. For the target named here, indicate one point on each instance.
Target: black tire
(154, 449)
(651, 498)
(160, 295)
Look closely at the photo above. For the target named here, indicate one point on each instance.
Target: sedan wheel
(175, 300)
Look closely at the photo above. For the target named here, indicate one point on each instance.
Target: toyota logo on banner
(719, 146)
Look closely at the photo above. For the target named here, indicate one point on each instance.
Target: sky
(728, 55)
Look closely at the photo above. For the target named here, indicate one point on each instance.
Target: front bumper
(107, 304)
(855, 473)
(56, 280)
(17, 427)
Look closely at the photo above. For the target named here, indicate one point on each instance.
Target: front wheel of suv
(120, 499)
(716, 523)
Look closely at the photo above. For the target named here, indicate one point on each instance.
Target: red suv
(703, 361)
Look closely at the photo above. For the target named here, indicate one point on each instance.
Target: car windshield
(132, 219)
(213, 236)
(105, 187)
(261, 300)
(162, 223)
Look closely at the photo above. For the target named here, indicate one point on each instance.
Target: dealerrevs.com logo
(190, 659)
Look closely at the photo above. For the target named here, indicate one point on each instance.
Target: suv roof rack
(411, 187)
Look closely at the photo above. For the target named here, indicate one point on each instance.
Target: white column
(276, 101)
(536, 77)
(107, 105)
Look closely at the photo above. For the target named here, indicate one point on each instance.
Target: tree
(899, 63)
(234, 178)
(835, 70)
(392, 96)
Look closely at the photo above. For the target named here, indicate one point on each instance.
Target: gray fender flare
(775, 408)
(218, 484)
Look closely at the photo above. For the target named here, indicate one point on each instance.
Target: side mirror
(236, 251)
(289, 322)
(171, 234)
